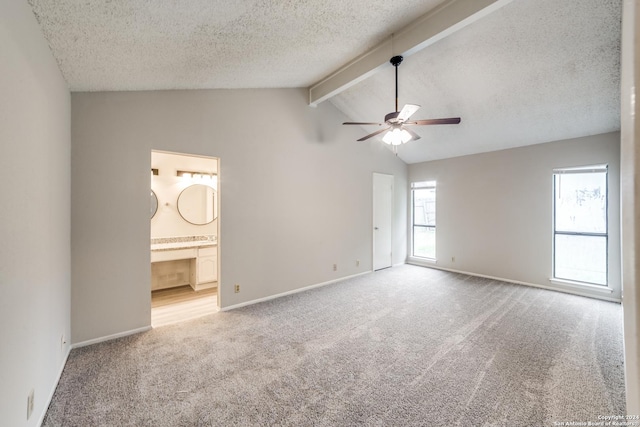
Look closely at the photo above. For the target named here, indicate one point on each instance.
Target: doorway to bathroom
(185, 224)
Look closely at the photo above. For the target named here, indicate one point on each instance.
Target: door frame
(218, 162)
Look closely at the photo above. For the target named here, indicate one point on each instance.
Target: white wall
(494, 210)
(630, 186)
(34, 217)
(295, 189)
(167, 222)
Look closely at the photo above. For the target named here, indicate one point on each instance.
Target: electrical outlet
(453, 259)
(236, 288)
(335, 267)
(30, 404)
(357, 263)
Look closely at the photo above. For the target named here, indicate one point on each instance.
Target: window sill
(578, 285)
(419, 261)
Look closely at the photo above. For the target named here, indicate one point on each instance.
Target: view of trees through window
(580, 224)
(424, 219)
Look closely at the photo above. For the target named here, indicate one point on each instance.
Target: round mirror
(154, 204)
(197, 204)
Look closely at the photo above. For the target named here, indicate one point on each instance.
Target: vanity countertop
(182, 245)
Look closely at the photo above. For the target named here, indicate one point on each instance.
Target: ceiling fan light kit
(396, 121)
(396, 136)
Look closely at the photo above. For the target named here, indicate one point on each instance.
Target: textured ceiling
(170, 44)
(533, 71)
(530, 72)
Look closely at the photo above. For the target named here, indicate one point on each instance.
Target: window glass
(424, 220)
(424, 242)
(581, 202)
(580, 225)
(581, 258)
(424, 206)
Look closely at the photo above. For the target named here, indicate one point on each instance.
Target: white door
(382, 217)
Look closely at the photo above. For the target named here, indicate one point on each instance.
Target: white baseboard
(294, 291)
(111, 337)
(517, 282)
(53, 389)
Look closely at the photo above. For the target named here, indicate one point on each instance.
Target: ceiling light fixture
(206, 178)
(397, 136)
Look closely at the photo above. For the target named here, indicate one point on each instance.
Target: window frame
(581, 170)
(422, 185)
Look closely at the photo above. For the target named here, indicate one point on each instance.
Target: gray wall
(295, 188)
(494, 210)
(34, 230)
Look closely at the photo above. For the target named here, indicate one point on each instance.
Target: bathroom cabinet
(204, 268)
(179, 266)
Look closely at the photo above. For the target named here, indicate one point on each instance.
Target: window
(580, 224)
(423, 195)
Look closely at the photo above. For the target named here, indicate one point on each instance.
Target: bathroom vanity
(191, 260)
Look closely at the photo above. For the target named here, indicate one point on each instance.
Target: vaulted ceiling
(528, 72)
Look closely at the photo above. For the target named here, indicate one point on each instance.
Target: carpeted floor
(400, 347)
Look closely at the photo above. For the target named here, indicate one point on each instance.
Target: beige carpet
(400, 347)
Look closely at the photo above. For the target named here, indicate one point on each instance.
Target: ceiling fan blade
(407, 111)
(363, 123)
(448, 121)
(414, 136)
(378, 132)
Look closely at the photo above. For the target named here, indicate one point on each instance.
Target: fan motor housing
(391, 117)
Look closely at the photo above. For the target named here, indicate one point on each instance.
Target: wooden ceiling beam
(435, 25)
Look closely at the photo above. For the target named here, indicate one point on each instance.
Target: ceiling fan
(397, 121)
